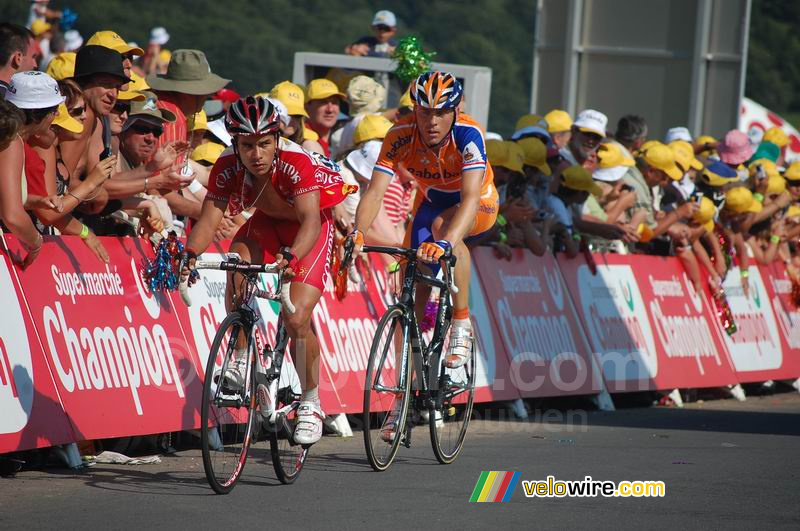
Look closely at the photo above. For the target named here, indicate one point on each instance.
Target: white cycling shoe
(460, 348)
(234, 375)
(309, 423)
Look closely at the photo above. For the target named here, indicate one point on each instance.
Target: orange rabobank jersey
(438, 176)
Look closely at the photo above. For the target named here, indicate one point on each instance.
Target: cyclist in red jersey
(456, 201)
(292, 192)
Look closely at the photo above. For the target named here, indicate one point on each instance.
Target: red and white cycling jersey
(295, 172)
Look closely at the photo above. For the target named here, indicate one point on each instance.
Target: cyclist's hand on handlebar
(287, 262)
(353, 245)
(432, 252)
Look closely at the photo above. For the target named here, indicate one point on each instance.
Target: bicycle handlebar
(242, 267)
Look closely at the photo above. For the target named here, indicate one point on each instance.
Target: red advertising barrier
(118, 355)
(540, 333)
(646, 322)
(31, 412)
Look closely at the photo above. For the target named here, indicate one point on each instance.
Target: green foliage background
(253, 41)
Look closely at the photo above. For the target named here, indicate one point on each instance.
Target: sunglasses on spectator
(144, 130)
(120, 108)
(382, 27)
(77, 111)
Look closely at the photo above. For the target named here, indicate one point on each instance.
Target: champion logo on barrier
(16, 365)
(555, 288)
(626, 294)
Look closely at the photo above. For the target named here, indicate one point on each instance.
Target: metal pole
(743, 72)
(697, 94)
(535, 65)
(571, 54)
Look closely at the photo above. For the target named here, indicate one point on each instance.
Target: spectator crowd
(101, 137)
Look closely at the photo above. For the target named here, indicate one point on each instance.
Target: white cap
(384, 17)
(491, 135)
(678, 133)
(159, 36)
(34, 90)
(282, 111)
(610, 175)
(592, 121)
(363, 159)
(72, 40)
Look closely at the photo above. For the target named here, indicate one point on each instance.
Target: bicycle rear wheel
(450, 417)
(227, 415)
(387, 391)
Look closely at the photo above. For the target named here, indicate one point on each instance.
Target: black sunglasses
(144, 130)
(120, 107)
(77, 111)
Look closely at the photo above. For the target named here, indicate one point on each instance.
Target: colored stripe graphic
(479, 486)
(487, 486)
(511, 486)
(494, 486)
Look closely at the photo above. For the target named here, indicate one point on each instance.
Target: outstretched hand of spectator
(102, 171)
(167, 155)
(687, 210)
(53, 202)
(517, 210)
(629, 234)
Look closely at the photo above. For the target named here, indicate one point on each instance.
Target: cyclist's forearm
(371, 201)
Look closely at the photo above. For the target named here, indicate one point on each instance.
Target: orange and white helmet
(437, 90)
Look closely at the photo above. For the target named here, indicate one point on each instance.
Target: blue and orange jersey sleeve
(470, 144)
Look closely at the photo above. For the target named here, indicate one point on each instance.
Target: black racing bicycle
(236, 418)
(398, 348)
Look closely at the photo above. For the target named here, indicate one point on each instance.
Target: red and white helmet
(252, 115)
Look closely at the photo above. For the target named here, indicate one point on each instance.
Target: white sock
(311, 395)
(462, 323)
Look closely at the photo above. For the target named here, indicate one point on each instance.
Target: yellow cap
(291, 96)
(310, 134)
(112, 40)
(200, 121)
(579, 178)
(705, 214)
(506, 154)
(371, 127)
(558, 121)
(684, 155)
(740, 200)
(535, 154)
(405, 100)
(208, 152)
(164, 56)
(647, 145)
(530, 120)
(319, 89)
(62, 66)
(769, 167)
(776, 185)
(136, 85)
(792, 173)
(661, 158)
(610, 155)
(777, 136)
(701, 141)
(792, 212)
(39, 26)
(65, 121)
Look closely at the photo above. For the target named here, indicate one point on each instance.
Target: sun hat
(662, 158)
(371, 127)
(678, 133)
(159, 35)
(613, 163)
(62, 66)
(578, 178)
(33, 90)
(93, 60)
(148, 111)
(364, 94)
(188, 73)
(291, 96)
(735, 148)
(591, 121)
(65, 121)
(111, 39)
(363, 159)
(535, 154)
(558, 121)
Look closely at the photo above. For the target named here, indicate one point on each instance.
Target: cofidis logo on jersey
(16, 367)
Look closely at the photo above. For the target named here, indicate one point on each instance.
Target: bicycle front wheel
(228, 410)
(387, 391)
(450, 416)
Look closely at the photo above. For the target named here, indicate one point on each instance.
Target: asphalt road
(726, 465)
